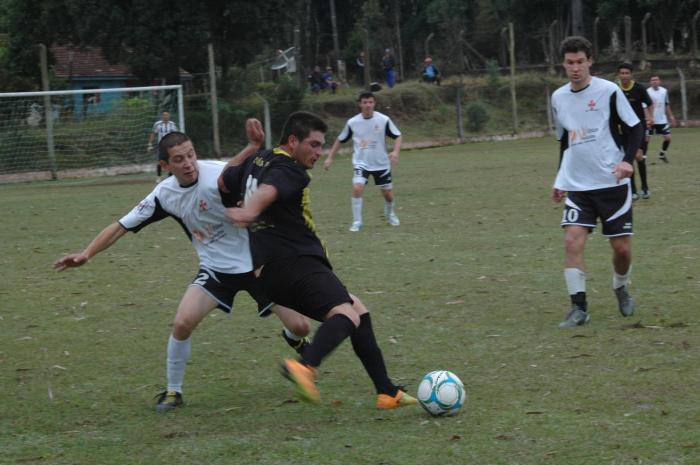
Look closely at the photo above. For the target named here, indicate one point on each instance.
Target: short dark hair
(169, 141)
(300, 124)
(574, 44)
(625, 66)
(366, 94)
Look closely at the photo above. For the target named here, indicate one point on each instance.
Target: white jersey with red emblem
(221, 246)
(586, 121)
(660, 98)
(368, 140)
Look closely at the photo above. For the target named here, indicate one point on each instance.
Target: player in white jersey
(192, 198)
(368, 131)
(599, 135)
(160, 129)
(663, 115)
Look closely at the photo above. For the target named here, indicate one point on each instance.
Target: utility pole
(576, 17)
(336, 46)
(214, 101)
(367, 59)
(48, 111)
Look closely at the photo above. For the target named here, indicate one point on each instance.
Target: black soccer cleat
(299, 345)
(576, 317)
(663, 157)
(168, 400)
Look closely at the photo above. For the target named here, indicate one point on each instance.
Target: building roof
(85, 61)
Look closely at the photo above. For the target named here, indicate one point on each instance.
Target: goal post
(58, 131)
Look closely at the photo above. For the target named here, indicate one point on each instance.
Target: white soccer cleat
(393, 219)
(355, 226)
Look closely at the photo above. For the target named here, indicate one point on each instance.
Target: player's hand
(674, 122)
(254, 131)
(639, 155)
(649, 122)
(240, 217)
(70, 261)
(393, 158)
(327, 164)
(558, 195)
(623, 170)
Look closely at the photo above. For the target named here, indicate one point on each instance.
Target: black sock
(579, 299)
(632, 183)
(665, 145)
(644, 145)
(365, 345)
(158, 170)
(642, 166)
(328, 336)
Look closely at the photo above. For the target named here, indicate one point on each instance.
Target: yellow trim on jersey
(628, 88)
(279, 151)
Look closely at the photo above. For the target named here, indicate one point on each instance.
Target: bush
(477, 116)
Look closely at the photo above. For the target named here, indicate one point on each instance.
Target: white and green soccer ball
(441, 393)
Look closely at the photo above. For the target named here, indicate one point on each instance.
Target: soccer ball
(441, 393)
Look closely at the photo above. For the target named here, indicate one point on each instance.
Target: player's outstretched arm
(256, 136)
(102, 241)
(394, 155)
(329, 158)
(254, 205)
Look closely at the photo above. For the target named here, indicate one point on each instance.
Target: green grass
(471, 282)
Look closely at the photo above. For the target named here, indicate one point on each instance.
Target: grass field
(471, 282)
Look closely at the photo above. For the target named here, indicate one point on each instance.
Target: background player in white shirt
(663, 116)
(160, 129)
(191, 197)
(368, 130)
(593, 174)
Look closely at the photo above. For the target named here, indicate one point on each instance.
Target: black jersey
(637, 95)
(285, 228)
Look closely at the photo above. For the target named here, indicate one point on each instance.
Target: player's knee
(573, 243)
(183, 326)
(299, 326)
(622, 249)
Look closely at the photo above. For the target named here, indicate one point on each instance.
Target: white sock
(178, 355)
(357, 210)
(575, 280)
(620, 280)
(388, 208)
(291, 335)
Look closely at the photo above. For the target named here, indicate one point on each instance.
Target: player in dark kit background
(643, 106)
(291, 262)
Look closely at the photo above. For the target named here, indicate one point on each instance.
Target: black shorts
(613, 205)
(306, 284)
(382, 178)
(223, 287)
(662, 129)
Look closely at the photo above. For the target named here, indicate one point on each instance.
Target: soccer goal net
(60, 131)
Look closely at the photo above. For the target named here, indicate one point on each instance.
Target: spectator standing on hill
(160, 129)
(663, 115)
(388, 68)
(360, 62)
(642, 105)
(368, 131)
(430, 72)
(316, 80)
(594, 166)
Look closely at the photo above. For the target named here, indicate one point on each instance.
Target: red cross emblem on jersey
(203, 205)
(591, 105)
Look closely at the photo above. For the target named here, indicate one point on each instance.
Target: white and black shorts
(613, 205)
(382, 178)
(223, 287)
(661, 129)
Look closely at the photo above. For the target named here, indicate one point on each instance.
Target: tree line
(159, 37)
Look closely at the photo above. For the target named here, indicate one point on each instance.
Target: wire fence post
(513, 97)
(684, 97)
(266, 121)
